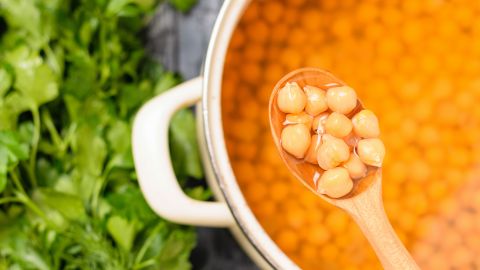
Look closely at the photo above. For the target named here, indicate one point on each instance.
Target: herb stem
(144, 264)
(97, 190)
(9, 200)
(57, 140)
(100, 187)
(146, 245)
(35, 139)
(104, 54)
(16, 181)
(54, 64)
(22, 197)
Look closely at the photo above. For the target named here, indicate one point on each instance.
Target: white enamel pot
(153, 165)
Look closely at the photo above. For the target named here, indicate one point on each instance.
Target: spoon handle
(368, 212)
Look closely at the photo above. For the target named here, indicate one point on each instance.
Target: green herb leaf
(184, 146)
(12, 150)
(80, 81)
(183, 5)
(72, 76)
(122, 231)
(91, 151)
(22, 14)
(129, 203)
(5, 81)
(70, 206)
(3, 172)
(115, 6)
(34, 80)
(167, 81)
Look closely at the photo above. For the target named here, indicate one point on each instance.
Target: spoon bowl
(309, 173)
(364, 203)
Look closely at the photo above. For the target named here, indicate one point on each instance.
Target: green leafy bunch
(72, 75)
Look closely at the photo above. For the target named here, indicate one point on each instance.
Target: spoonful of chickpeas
(330, 142)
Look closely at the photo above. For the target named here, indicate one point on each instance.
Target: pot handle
(154, 167)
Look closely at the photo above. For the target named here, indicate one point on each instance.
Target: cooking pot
(154, 169)
(400, 58)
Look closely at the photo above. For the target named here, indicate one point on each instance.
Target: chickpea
(335, 183)
(371, 151)
(291, 98)
(311, 155)
(338, 125)
(332, 152)
(318, 124)
(355, 167)
(351, 139)
(316, 100)
(299, 118)
(341, 99)
(365, 124)
(295, 139)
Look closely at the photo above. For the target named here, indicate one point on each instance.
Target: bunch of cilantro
(72, 75)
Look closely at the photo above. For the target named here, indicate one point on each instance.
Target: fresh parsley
(73, 73)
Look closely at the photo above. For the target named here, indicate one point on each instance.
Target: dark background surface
(180, 42)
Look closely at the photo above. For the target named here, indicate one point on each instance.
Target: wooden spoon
(364, 204)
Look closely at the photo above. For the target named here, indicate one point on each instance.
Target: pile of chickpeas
(416, 65)
(318, 130)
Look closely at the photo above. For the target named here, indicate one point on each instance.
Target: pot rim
(225, 24)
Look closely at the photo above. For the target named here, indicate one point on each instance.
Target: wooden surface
(180, 41)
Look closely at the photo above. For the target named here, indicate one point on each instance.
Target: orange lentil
(258, 32)
(265, 210)
(297, 37)
(245, 151)
(308, 252)
(272, 12)
(287, 240)
(291, 18)
(238, 40)
(291, 58)
(232, 56)
(329, 252)
(280, 32)
(255, 191)
(279, 191)
(273, 73)
(254, 52)
(338, 221)
(243, 131)
(296, 3)
(264, 172)
(318, 235)
(251, 72)
(296, 217)
(251, 13)
(437, 190)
